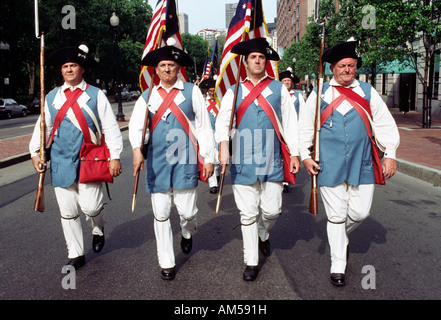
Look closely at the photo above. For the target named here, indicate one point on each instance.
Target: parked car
(135, 94)
(10, 107)
(35, 106)
(125, 96)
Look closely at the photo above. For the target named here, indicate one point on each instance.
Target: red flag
(249, 19)
(164, 19)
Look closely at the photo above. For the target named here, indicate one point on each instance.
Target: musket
(144, 130)
(39, 197)
(233, 109)
(313, 201)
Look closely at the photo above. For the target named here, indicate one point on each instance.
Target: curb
(424, 173)
(9, 161)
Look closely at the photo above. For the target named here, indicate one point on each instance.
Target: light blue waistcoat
(345, 148)
(65, 149)
(171, 157)
(256, 150)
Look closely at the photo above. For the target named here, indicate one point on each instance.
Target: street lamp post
(294, 65)
(114, 22)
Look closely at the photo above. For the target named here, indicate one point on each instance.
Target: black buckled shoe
(77, 262)
(250, 273)
(338, 279)
(98, 242)
(264, 247)
(214, 190)
(168, 273)
(186, 245)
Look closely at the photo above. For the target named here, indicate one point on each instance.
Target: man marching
(256, 164)
(288, 79)
(67, 141)
(177, 120)
(213, 110)
(349, 166)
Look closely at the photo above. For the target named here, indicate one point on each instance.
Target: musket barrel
(39, 204)
(313, 202)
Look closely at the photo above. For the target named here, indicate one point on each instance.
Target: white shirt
(204, 133)
(383, 125)
(110, 128)
(289, 117)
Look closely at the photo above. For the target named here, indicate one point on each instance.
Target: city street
(394, 254)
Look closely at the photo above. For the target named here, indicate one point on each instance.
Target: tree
(412, 30)
(71, 23)
(197, 48)
(307, 50)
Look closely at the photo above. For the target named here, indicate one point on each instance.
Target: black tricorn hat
(260, 45)
(168, 52)
(288, 74)
(207, 83)
(342, 50)
(71, 54)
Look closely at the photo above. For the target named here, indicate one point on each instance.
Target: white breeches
(185, 201)
(267, 196)
(87, 197)
(346, 207)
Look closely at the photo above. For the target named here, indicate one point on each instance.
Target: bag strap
(72, 102)
(63, 110)
(167, 100)
(268, 109)
(255, 91)
(212, 106)
(365, 113)
(177, 112)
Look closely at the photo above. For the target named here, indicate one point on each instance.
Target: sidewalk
(14, 150)
(419, 153)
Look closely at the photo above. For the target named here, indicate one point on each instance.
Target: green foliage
(197, 48)
(386, 31)
(92, 27)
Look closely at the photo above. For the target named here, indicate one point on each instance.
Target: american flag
(164, 20)
(212, 67)
(249, 18)
(206, 70)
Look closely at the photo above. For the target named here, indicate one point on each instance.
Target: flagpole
(144, 129)
(233, 108)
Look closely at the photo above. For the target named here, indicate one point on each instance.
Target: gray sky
(210, 14)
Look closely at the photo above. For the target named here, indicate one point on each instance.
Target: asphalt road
(20, 126)
(394, 255)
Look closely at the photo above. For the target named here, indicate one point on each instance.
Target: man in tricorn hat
(289, 79)
(209, 85)
(176, 112)
(349, 165)
(67, 141)
(256, 163)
